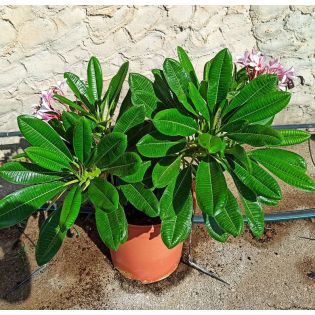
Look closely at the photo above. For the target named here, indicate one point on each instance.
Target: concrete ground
(274, 272)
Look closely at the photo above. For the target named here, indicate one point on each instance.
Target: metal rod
(289, 126)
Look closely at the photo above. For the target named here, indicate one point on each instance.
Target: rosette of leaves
(204, 130)
(74, 162)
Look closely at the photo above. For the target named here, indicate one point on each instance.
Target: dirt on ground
(274, 272)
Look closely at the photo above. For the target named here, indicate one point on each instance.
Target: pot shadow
(14, 265)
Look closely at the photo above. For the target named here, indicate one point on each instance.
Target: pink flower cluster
(255, 63)
(46, 109)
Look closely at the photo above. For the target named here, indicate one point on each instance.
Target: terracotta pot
(144, 256)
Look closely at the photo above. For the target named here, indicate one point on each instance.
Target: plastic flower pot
(144, 256)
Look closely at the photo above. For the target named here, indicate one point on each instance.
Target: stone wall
(39, 43)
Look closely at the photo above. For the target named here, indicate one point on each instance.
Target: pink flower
(46, 110)
(255, 65)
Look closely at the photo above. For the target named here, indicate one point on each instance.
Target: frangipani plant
(78, 155)
(203, 130)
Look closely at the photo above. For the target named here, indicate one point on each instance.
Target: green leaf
(176, 77)
(165, 171)
(110, 148)
(239, 153)
(291, 158)
(95, 78)
(138, 175)
(141, 198)
(261, 182)
(51, 237)
(229, 217)
(70, 208)
(176, 210)
(220, 78)
(48, 159)
(206, 71)
(70, 119)
(187, 65)
(255, 217)
(156, 145)
(142, 93)
(112, 227)
(211, 189)
(255, 89)
(73, 105)
(27, 174)
(172, 123)
(198, 101)
(176, 193)
(79, 89)
(257, 136)
(103, 194)
(213, 144)
(292, 136)
(161, 88)
(19, 205)
(82, 139)
(130, 118)
(258, 109)
(126, 164)
(214, 230)
(112, 94)
(40, 134)
(284, 165)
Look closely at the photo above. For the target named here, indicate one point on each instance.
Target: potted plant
(76, 154)
(200, 132)
(185, 130)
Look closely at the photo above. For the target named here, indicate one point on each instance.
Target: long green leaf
(220, 78)
(79, 89)
(158, 145)
(19, 205)
(110, 148)
(229, 217)
(255, 217)
(113, 92)
(292, 136)
(261, 182)
(263, 107)
(103, 194)
(165, 171)
(40, 134)
(70, 208)
(187, 65)
(284, 168)
(141, 198)
(48, 159)
(82, 139)
(257, 136)
(142, 93)
(126, 164)
(51, 237)
(73, 105)
(95, 78)
(214, 230)
(27, 173)
(255, 89)
(211, 189)
(132, 117)
(161, 88)
(172, 123)
(112, 227)
(138, 175)
(198, 101)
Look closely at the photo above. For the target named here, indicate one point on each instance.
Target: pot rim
(144, 226)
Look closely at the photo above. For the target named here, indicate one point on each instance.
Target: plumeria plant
(76, 155)
(203, 131)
